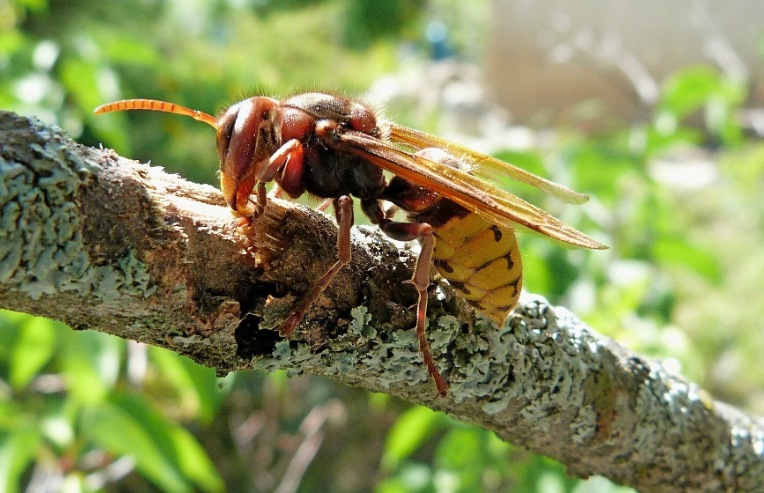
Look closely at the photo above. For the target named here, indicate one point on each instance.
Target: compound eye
(225, 131)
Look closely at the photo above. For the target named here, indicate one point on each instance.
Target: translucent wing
(485, 165)
(469, 191)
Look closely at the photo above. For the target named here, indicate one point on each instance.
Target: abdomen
(481, 261)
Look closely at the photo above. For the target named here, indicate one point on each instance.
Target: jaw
(236, 194)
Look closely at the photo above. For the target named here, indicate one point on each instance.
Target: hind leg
(406, 232)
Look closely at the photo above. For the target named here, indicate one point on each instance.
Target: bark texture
(104, 243)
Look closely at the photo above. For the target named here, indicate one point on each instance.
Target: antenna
(154, 105)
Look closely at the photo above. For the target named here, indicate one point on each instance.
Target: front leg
(343, 208)
(287, 167)
(286, 164)
(255, 211)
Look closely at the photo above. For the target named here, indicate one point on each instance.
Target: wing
(469, 191)
(486, 166)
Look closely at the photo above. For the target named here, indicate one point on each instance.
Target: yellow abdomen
(482, 262)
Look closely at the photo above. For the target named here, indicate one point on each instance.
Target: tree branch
(108, 244)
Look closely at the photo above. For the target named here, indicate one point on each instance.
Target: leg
(343, 207)
(421, 279)
(256, 209)
(286, 167)
(262, 200)
(276, 191)
(324, 205)
(266, 169)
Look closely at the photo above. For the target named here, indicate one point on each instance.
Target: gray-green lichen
(519, 362)
(548, 382)
(42, 251)
(359, 322)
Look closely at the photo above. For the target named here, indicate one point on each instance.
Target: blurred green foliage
(74, 403)
(82, 411)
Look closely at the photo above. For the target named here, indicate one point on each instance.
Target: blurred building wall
(546, 57)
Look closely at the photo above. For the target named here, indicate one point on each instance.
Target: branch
(104, 243)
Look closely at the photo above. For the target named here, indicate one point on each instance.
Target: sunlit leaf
(680, 251)
(79, 78)
(74, 483)
(11, 414)
(689, 89)
(10, 330)
(33, 5)
(600, 165)
(194, 462)
(408, 433)
(110, 426)
(460, 447)
(58, 430)
(91, 363)
(658, 141)
(175, 443)
(33, 349)
(196, 385)
(17, 450)
(392, 486)
(11, 41)
(537, 276)
(127, 50)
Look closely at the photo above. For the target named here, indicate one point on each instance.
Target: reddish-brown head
(244, 132)
(237, 133)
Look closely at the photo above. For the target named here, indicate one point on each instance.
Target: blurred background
(652, 108)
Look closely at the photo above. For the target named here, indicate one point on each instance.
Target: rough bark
(104, 243)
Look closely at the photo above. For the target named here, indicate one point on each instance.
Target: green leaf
(11, 41)
(537, 276)
(659, 141)
(110, 426)
(392, 486)
(194, 462)
(599, 164)
(118, 48)
(459, 448)
(11, 326)
(688, 89)
(80, 79)
(412, 428)
(91, 363)
(196, 385)
(33, 349)
(34, 5)
(11, 414)
(17, 450)
(681, 252)
(174, 442)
